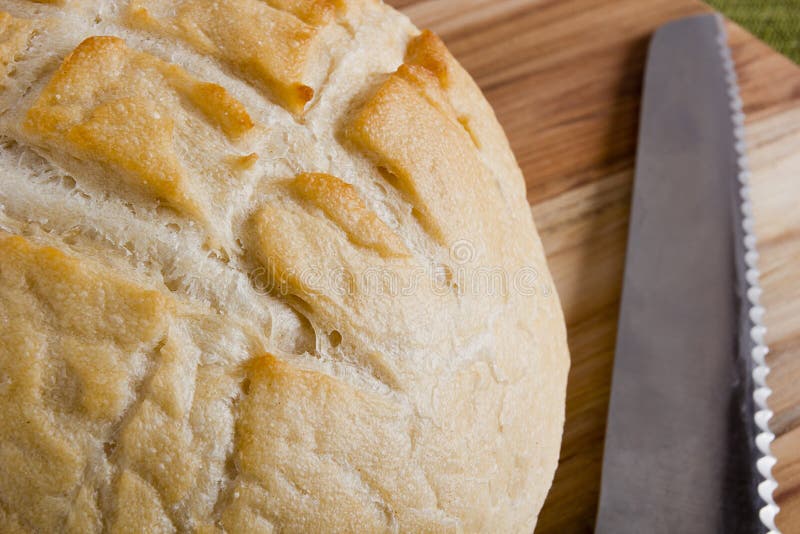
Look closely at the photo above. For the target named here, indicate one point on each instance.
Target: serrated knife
(680, 452)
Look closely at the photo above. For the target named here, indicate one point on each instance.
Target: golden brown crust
(68, 317)
(314, 12)
(411, 129)
(348, 289)
(473, 112)
(138, 507)
(281, 61)
(429, 52)
(318, 447)
(218, 106)
(119, 108)
(308, 338)
(15, 36)
(341, 203)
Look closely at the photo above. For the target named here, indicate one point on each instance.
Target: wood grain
(564, 77)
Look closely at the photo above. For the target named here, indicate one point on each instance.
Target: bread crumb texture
(265, 266)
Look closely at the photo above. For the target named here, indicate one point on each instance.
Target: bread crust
(265, 265)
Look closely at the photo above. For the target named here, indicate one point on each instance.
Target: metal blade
(679, 453)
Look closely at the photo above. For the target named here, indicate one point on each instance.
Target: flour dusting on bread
(265, 265)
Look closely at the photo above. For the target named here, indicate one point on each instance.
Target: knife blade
(680, 453)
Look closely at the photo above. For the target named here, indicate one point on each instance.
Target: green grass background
(776, 22)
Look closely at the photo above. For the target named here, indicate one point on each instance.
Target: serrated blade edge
(761, 393)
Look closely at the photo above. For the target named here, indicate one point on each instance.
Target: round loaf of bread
(265, 265)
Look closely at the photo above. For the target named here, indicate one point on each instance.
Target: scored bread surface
(265, 266)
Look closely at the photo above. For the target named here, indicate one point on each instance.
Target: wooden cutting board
(564, 77)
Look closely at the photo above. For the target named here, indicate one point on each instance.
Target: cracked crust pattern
(248, 254)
